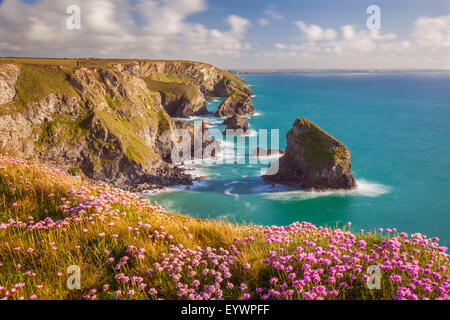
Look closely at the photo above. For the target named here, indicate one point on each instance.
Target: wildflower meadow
(127, 248)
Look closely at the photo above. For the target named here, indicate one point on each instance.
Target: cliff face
(105, 119)
(185, 86)
(314, 160)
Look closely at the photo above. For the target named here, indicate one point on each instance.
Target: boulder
(314, 160)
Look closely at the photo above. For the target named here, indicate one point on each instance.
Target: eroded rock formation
(314, 160)
(237, 103)
(106, 119)
(236, 125)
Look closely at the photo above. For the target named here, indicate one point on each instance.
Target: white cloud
(163, 29)
(272, 13)
(167, 17)
(432, 32)
(41, 32)
(348, 32)
(119, 28)
(101, 18)
(280, 46)
(315, 33)
(263, 22)
(238, 25)
(428, 47)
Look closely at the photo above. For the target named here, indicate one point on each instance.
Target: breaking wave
(365, 189)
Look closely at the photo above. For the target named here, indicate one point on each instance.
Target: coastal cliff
(109, 120)
(314, 160)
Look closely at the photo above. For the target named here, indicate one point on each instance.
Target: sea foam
(365, 189)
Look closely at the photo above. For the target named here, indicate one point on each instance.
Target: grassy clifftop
(178, 71)
(37, 82)
(127, 248)
(130, 98)
(104, 116)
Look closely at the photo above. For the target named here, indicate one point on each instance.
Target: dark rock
(236, 125)
(314, 160)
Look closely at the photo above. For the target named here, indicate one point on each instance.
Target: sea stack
(314, 160)
(237, 103)
(237, 124)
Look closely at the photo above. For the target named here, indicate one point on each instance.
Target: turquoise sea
(397, 127)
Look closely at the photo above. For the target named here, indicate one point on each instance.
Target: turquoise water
(396, 127)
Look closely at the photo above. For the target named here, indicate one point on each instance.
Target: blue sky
(397, 15)
(235, 33)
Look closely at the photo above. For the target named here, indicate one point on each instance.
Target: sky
(234, 34)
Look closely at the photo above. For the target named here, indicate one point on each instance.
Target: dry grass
(93, 223)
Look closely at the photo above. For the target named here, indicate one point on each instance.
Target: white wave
(229, 193)
(256, 114)
(153, 192)
(371, 189)
(199, 118)
(269, 157)
(214, 122)
(365, 189)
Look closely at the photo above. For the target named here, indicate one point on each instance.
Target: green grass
(234, 78)
(320, 148)
(135, 148)
(163, 122)
(37, 82)
(238, 95)
(173, 90)
(57, 131)
(112, 103)
(39, 192)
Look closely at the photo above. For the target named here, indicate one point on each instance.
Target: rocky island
(108, 120)
(314, 160)
(237, 103)
(236, 123)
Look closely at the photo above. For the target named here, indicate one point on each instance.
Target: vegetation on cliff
(313, 160)
(128, 248)
(319, 146)
(237, 103)
(110, 118)
(37, 82)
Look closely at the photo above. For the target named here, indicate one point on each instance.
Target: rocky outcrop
(183, 107)
(8, 78)
(237, 103)
(201, 143)
(314, 160)
(178, 99)
(212, 81)
(236, 125)
(101, 118)
(185, 85)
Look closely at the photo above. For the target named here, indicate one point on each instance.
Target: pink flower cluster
(301, 261)
(339, 263)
